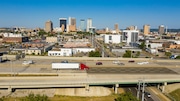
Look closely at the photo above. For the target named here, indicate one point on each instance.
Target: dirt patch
(93, 91)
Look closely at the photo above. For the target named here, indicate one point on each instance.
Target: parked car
(99, 63)
(64, 61)
(131, 61)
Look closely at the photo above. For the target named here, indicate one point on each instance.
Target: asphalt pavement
(131, 70)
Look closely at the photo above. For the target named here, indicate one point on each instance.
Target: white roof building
(112, 38)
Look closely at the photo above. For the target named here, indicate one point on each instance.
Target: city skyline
(105, 13)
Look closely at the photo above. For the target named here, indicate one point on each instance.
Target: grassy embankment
(176, 94)
(74, 98)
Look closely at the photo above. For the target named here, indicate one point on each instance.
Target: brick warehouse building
(15, 39)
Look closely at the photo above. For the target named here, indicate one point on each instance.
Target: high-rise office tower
(72, 24)
(146, 29)
(82, 25)
(89, 24)
(161, 29)
(63, 24)
(48, 26)
(116, 27)
(72, 21)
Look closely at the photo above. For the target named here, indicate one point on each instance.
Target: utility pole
(141, 85)
(138, 91)
(102, 50)
(143, 91)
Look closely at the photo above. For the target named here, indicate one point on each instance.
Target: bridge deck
(131, 70)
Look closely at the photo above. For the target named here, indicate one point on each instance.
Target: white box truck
(79, 66)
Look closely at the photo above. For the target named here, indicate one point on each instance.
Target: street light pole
(138, 91)
(11, 68)
(143, 91)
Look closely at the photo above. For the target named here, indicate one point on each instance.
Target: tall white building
(89, 24)
(130, 37)
(82, 25)
(69, 21)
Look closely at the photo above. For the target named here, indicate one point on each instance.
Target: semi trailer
(79, 66)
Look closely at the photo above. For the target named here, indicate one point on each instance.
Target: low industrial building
(69, 51)
(14, 38)
(34, 51)
(52, 39)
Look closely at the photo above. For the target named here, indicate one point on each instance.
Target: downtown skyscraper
(89, 24)
(48, 26)
(63, 24)
(72, 24)
(146, 29)
(82, 25)
(161, 29)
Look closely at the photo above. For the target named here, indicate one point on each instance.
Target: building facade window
(110, 37)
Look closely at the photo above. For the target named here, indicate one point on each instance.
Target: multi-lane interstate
(106, 74)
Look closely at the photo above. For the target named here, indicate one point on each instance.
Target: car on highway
(27, 62)
(147, 94)
(142, 63)
(64, 61)
(131, 61)
(99, 63)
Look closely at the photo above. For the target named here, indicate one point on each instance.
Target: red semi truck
(79, 66)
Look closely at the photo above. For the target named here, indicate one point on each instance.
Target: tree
(178, 57)
(126, 97)
(42, 33)
(1, 99)
(168, 54)
(142, 45)
(94, 54)
(127, 54)
(138, 54)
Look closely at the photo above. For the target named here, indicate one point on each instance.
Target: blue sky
(105, 13)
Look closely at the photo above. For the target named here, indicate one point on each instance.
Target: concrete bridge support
(163, 87)
(10, 89)
(87, 87)
(116, 88)
(158, 86)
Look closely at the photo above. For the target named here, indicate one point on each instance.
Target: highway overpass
(82, 81)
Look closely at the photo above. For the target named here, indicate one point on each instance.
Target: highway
(157, 71)
(133, 90)
(107, 73)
